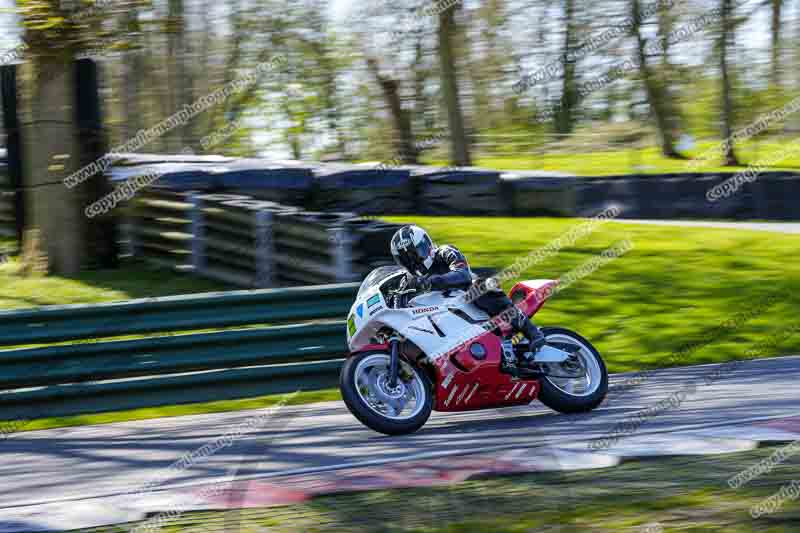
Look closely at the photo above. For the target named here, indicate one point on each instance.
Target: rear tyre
(576, 395)
(403, 409)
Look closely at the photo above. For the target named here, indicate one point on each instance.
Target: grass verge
(133, 280)
(146, 413)
(637, 161)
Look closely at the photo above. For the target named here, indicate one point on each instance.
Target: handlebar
(400, 293)
(400, 297)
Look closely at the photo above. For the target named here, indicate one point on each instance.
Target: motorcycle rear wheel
(363, 383)
(575, 395)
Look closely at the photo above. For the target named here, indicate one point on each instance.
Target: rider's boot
(534, 335)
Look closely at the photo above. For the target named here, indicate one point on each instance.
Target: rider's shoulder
(451, 253)
(448, 249)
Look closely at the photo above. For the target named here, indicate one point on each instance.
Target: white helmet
(413, 249)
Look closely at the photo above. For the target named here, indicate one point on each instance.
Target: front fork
(394, 363)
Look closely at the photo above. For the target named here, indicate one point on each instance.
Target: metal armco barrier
(314, 247)
(159, 227)
(174, 313)
(253, 243)
(106, 375)
(233, 239)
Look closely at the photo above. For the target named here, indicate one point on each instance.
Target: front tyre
(580, 394)
(403, 409)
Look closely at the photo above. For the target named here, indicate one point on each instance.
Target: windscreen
(378, 276)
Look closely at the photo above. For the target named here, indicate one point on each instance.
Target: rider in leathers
(445, 267)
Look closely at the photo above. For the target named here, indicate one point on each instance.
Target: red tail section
(530, 296)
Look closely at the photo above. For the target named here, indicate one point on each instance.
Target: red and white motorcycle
(412, 354)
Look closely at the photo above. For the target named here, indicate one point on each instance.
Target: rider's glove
(419, 283)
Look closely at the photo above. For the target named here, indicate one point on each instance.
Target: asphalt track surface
(67, 478)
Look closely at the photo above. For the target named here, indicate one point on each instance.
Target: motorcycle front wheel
(398, 410)
(577, 394)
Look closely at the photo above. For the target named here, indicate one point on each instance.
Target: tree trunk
(666, 23)
(133, 72)
(655, 88)
(479, 77)
(233, 63)
(796, 47)
(331, 105)
(794, 33)
(564, 119)
(156, 92)
(459, 144)
(726, 40)
(775, 72)
(204, 123)
(177, 58)
(52, 153)
(294, 144)
(400, 117)
(424, 121)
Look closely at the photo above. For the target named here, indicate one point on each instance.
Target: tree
(656, 89)
(726, 40)
(133, 73)
(298, 34)
(401, 118)
(564, 119)
(61, 135)
(776, 44)
(424, 119)
(459, 144)
(488, 55)
(180, 82)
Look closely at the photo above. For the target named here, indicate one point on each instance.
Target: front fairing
(362, 325)
(370, 301)
(429, 321)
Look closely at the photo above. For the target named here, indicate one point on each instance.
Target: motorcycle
(411, 354)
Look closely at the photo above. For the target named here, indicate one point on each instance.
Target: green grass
(632, 161)
(675, 286)
(222, 406)
(133, 280)
(687, 494)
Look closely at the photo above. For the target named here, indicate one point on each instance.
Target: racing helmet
(413, 249)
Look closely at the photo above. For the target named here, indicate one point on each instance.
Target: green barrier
(186, 353)
(108, 375)
(83, 398)
(175, 313)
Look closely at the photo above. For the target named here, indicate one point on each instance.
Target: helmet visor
(424, 248)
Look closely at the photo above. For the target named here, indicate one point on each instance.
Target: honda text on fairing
(412, 353)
